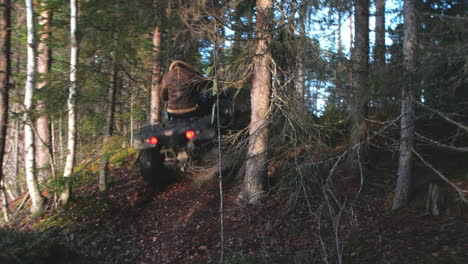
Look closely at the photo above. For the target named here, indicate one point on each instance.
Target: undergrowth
(37, 248)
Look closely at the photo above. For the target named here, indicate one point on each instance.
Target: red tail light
(153, 140)
(189, 134)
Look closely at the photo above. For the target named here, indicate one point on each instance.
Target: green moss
(124, 157)
(37, 248)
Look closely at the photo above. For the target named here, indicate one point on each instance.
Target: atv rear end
(171, 148)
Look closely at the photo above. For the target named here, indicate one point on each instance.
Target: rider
(180, 87)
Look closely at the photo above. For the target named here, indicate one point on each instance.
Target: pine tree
(260, 104)
(407, 107)
(43, 154)
(359, 80)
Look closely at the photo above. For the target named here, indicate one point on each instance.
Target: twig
(444, 116)
(460, 192)
(441, 145)
(23, 201)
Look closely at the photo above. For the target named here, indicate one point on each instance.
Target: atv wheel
(152, 168)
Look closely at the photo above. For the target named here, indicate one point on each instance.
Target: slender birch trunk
(71, 102)
(260, 103)
(6, 215)
(29, 160)
(16, 155)
(132, 106)
(60, 141)
(43, 155)
(405, 167)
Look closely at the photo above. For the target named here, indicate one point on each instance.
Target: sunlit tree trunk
(155, 108)
(71, 102)
(405, 166)
(6, 215)
(43, 155)
(260, 103)
(29, 160)
(359, 81)
(5, 71)
(16, 155)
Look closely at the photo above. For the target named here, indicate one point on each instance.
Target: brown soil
(182, 225)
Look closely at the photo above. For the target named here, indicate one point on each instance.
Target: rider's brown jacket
(180, 87)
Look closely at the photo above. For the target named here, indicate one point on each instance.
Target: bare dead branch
(441, 145)
(460, 191)
(444, 116)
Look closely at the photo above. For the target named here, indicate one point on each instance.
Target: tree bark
(16, 155)
(43, 154)
(71, 102)
(3, 194)
(379, 48)
(359, 81)
(405, 166)
(109, 125)
(300, 73)
(5, 71)
(155, 108)
(260, 104)
(340, 69)
(29, 161)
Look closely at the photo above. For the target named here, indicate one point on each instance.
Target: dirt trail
(182, 225)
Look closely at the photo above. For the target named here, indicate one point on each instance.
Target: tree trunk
(339, 66)
(5, 71)
(359, 81)
(379, 56)
(109, 125)
(260, 104)
(155, 108)
(29, 161)
(71, 102)
(405, 167)
(6, 215)
(379, 48)
(300, 73)
(16, 156)
(60, 147)
(43, 155)
(237, 43)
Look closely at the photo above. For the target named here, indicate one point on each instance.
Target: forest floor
(130, 224)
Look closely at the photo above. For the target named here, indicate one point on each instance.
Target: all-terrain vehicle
(172, 148)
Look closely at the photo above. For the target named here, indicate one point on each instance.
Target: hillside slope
(129, 224)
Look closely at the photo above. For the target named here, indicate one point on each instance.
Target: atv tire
(152, 168)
